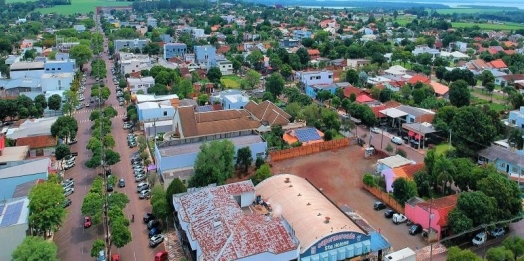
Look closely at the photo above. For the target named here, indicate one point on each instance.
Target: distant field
(505, 27)
(469, 10)
(77, 6)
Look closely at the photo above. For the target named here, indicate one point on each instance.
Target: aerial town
(207, 130)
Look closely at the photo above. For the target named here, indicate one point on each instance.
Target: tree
(102, 93)
(62, 151)
(110, 112)
(159, 202)
(515, 244)
(459, 222)
(516, 139)
(35, 248)
(214, 74)
(109, 141)
(120, 233)
(41, 102)
(499, 254)
(404, 189)
(478, 207)
(176, 186)
(92, 206)
(252, 78)
(98, 245)
(54, 102)
(111, 157)
(94, 144)
(214, 163)
(262, 173)
(275, 84)
(472, 129)
(43, 201)
(486, 77)
(81, 53)
(459, 94)
(490, 86)
(244, 158)
(185, 88)
(457, 254)
(352, 76)
(505, 192)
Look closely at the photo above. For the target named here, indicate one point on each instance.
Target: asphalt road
(73, 241)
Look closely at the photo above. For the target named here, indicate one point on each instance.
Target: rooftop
(213, 122)
(16, 153)
(32, 127)
(495, 152)
(26, 66)
(147, 79)
(268, 112)
(14, 212)
(303, 206)
(414, 111)
(24, 168)
(37, 142)
(395, 161)
(57, 75)
(223, 231)
(150, 98)
(239, 142)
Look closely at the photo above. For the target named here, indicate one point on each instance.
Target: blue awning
(378, 242)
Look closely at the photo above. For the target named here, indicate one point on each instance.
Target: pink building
(418, 211)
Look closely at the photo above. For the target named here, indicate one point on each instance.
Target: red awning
(411, 133)
(417, 137)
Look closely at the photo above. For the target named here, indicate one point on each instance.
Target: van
(142, 186)
(396, 140)
(161, 256)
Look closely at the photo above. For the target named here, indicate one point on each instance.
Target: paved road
(73, 241)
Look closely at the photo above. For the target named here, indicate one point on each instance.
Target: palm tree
(516, 139)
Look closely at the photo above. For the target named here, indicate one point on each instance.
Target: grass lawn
(469, 10)
(497, 107)
(77, 6)
(495, 95)
(403, 20)
(443, 147)
(506, 26)
(230, 81)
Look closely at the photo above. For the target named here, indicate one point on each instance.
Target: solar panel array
(204, 108)
(307, 134)
(12, 214)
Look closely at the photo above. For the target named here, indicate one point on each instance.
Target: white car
(375, 130)
(396, 140)
(127, 126)
(68, 191)
(399, 218)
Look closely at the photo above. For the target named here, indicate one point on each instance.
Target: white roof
(393, 113)
(41, 126)
(148, 79)
(148, 97)
(395, 161)
(24, 168)
(58, 75)
(158, 124)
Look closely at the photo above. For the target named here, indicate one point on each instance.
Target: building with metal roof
(223, 223)
(13, 225)
(323, 230)
(14, 173)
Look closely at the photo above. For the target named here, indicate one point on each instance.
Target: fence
(307, 149)
(386, 198)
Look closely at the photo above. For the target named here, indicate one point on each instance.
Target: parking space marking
(134, 255)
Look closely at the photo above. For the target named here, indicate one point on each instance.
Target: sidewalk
(173, 247)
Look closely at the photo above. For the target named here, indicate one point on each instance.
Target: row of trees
(512, 249)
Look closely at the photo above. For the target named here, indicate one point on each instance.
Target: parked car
(153, 223)
(479, 239)
(121, 183)
(135, 160)
(109, 188)
(142, 186)
(139, 173)
(145, 194)
(67, 202)
(72, 141)
(138, 168)
(161, 256)
(132, 144)
(69, 191)
(415, 229)
(127, 126)
(155, 240)
(115, 257)
(87, 104)
(140, 177)
(399, 218)
(375, 130)
(87, 222)
(379, 205)
(148, 217)
(396, 140)
(497, 232)
(155, 231)
(389, 213)
(68, 183)
(70, 158)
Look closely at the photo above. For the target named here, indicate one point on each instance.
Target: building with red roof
(313, 54)
(353, 90)
(419, 78)
(498, 64)
(364, 98)
(420, 211)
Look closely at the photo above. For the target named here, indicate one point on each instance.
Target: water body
(341, 4)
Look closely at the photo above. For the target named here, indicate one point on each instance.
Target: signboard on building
(335, 241)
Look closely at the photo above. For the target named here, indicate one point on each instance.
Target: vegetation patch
(468, 10)
(504, 27)
(77, 6)
(230, 81)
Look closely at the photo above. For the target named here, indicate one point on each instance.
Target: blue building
(516, 118)
(14, 173)
(505, 160)
(60, 66)
(301, 34)
(289, 43)
(312, 90)
(205, 56)
(174, 50)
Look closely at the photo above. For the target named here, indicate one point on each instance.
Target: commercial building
(14, 173)
(56, 81)
(174, 50)
(130, 44)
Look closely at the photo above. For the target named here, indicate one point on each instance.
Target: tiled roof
(443, 205)
(408, 171)
(439, 88)
(268, 112)
(364, 98)
(513, 77)
(419, 78)
(392, 104)
(498, 64)
(313, 52)
(223, 231)
(349, 90)
(37, 142)
(376, 110)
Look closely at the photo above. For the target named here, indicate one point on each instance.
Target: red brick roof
(498, 64)
(313, 52)
(443, 205)
(419, 78)
(349, 90)
(376, 110)
(37, 142)
(364, 98)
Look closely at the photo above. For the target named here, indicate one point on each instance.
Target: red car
(161, 256)
(87, 222)
(115, 257)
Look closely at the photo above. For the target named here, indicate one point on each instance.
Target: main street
(75, 242)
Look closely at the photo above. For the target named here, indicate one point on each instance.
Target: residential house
(392, 162)
(205, 56)
(289, 43)
(306, 136)
(433, 213)
(230, 99)
(80, 28)
(516, 118)
(152, 22)
(407, 172)
(141, 98)
(174, 50)
(414, 114)
(357, 63)
(505, 159)
(268, 114)
(56, 81)
(225, 66)
(419, 78)
(131, 63)
(353, 90)
(301, 34)
(420, 49)
(440, 89)
(455, 56)
(315, 77)
(14, 173)
(396, 70)
(35, 133)
(498, 65)
(130, 44)
(314, 54)
(313, 89)
(157, 117)
(509, 79)
(14, 224)
(458, 46)
(198, 33)
(142, 83)
(368, 37)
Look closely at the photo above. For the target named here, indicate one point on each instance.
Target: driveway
(339, 173)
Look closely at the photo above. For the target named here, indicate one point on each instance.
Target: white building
(142, 83)
(130, 63)
(56, 81)
(226, 67)
(420, 49)
(315, 77)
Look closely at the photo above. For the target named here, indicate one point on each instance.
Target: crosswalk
(87, 120)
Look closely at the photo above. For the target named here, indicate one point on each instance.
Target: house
(420, 49)
(130, 63)
(37, 144)
(368, 37)
(14, 224)
(226, 213)
(498, 65)
(313, 89)
(364, 99)
(353, 90)
(406, 171)
(151, 22)
(142, 83)
(301, 34)
(392, 162)
(314, 54)
(440, 89)
(509, 79)
(396, 70)
(315, 77)
(459, 46)
(80, 28)
(505, 160)
(306, 136)
(516, 118)
(357, 63)
(174, 50)
(414, 114)
(225, 66)
(289, 43)
(230, 99)
(268, 114)
(433, 213)
(14, 173)
(205, 56)
(130, 44)
(157, 112)
(56, 81)
(419, 78)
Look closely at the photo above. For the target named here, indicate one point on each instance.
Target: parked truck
(406, 254)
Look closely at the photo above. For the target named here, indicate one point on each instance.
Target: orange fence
(386, 198)
(307, 149)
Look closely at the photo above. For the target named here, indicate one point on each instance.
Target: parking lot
(339, 174)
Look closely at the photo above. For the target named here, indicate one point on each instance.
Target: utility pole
(429, 230)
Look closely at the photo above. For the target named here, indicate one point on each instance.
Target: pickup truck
(399, 218)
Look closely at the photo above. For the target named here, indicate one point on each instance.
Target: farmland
(77, 6)
(469, 10)
(488, 26)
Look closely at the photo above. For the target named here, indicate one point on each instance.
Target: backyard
(230, 82)
(77, 6)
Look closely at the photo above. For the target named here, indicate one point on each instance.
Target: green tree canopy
(275, 84)
(472, 130)
(81, 53)
(404, 189)
(35, 248)
(459, 94)
(176, 186)
(214, 163)
(45, 201)
(261, 174)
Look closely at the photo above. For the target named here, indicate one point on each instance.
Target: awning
(411, 133)
(417, 137)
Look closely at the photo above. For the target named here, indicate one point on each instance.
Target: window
(165, 113)
(59, 69)
(330, 76)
